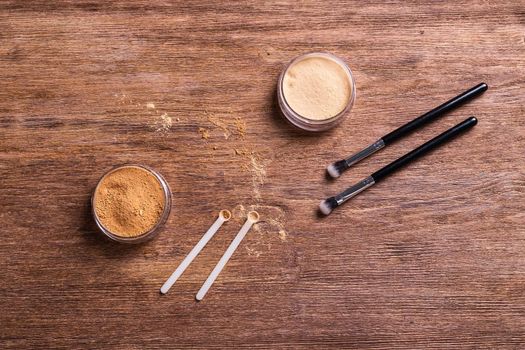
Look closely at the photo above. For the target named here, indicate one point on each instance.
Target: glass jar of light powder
(131, 203)
(316, 91)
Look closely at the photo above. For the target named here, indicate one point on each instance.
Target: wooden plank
(433, 257)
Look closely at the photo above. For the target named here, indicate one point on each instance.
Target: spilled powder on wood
(221, 125)
(241, 151)
(163, 123)
(124, 99)
(253, 252)
(205, 134)
(256, 165)
(258, 174)
(272, 222)
(240, 124)
(228, 125)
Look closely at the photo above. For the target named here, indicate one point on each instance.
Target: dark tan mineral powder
(129, 201)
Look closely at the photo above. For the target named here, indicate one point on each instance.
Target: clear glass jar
(310, 124)
(161, 221)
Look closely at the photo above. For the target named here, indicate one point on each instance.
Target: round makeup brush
(331, 203)
(337, 168)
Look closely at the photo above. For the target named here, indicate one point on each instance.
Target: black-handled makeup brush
(336, 169)
(331, 203)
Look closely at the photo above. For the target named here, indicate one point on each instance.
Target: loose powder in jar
(317, 88)
(129, 201)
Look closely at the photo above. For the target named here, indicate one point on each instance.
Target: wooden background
(433, 257)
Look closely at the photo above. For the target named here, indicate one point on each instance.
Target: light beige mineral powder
(317, 88)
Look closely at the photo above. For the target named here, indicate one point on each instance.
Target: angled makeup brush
(331, 203)
(336, 169)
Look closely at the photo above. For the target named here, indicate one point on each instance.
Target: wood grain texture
(431, 258)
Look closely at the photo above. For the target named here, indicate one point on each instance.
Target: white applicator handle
(253, 217)
(224, 216)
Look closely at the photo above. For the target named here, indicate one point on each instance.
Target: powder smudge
(240, 124)
(241, 151)
(253, 252)
(228, 125)
(256, 165)
(163, 123)
(272, 221)
(221, 125)
(124, 99)
(258, 170)
(205, 134)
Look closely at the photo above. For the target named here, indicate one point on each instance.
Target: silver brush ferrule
(354, 190)
(376, 146)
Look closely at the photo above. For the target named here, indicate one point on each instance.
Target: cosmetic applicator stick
(253, 217)
(224, 215)
(331, 203)
(336, 169)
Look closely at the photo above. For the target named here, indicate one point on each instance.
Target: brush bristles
(336, 169)
(328, 205)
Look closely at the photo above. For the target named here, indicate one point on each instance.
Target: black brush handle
(425, 148)
(435, 113)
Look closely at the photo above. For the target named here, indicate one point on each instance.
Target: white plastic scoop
(253, 217)
(224, 216)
